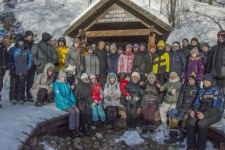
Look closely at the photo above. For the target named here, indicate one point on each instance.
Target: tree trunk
(149, 2)
(172, 17)
(161, 7)
(210, 2)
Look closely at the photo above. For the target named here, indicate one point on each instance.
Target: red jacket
(96, 92)
(123, 84)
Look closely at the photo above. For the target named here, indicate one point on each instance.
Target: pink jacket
(125, 62)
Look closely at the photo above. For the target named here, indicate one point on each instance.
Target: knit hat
(62, 74)
(161, 43)
(151, 74)
(126, 75)
(84, 76)
(195, 50)
(112, 75)
(173, 74)
(71, 68)
(152, 46)
(185, 40)
(129, 45)
(89, 47)
(28, 33)
(62, 39)
(93, 44)
(101, 42)
(136, 45)
(2, 33)
(46, 37)
(194, 39)
(193, 76)
(120, 48)
(76, 40)
(107, 43)
(20, 38)
(143, 43)
(51, 69)
(220, 32)
(113, 46)
(208, 77)
(204, 44)
(92, 76)
(136, 74)
(176, 44)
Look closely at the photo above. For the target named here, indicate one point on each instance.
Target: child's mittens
(173, 91)
(162, 88)
(93, 104)
(136, 98)
(128, 97)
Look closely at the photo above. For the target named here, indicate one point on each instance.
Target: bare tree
(149, 2)
(161, 6)
(172, 17)
(210, 2)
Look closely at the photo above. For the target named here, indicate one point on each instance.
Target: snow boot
(13, 102)
(152, 133)
(74, 133)
(182, 136)
(30, 100)
(38, 104)
(20, 102)
(171, 140)
(144, 131)
(173, 136)
(86, 129)
(78, 132)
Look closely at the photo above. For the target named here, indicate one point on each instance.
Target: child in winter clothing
(21, 61)
(97, 96)
(66, 101)
(42, 89)
(186, 99)
(113, 59)
(83, 96)
(173, 88)
(149, 103)
(71, 71)
(111, 99)
(132, 102)
(195, 65)
(123, 83)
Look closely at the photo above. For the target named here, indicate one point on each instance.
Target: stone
(93, 138)
(77, 140)
(93, 127)
(99, 135)
(79, 147)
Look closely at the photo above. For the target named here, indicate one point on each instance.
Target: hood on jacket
(108, 77)
(176, 43)
(45, 71)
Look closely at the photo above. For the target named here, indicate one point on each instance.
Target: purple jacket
(196, 66)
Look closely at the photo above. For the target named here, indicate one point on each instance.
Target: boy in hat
(120, 50)
(135, 48)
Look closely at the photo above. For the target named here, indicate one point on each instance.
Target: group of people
(86, 79)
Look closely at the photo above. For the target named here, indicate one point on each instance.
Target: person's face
(85, 80)
(193, 55)
(90, 51)
(135, 49)
(205, 49)
(113, 51)
(61, 44)
(191, 81)
(151, 80)
(77, 44)
(167, 49)
(185, 43)
(21, 43)
(84, 46)
(142, 47)
(2, 39)
(94, 47)
(193, 43)
(160, 48)
(221, 39)
(172, 77)
(101, 46)
(63, 79)
(127, 78)
(50, 73)
(30, 38)
(107, 47)
(207, 83)
(135, 79)
(175, 48)
(93, 80)
(120, 51)
(112, 80)
(128, 50)
(152, 50)
(70, 72)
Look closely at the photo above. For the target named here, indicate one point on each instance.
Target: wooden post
(152, 35)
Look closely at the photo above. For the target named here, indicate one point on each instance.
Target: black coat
(135, 90)
(3, 58)
(177, 62)
(28, 44)
(141, 62)
(186, 50)
(113, 63)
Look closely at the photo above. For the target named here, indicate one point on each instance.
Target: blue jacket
(210, 102)
(21, 60)
(113, 63)
(64, 97)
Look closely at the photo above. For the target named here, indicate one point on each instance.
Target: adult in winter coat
(125, 61)
(3, 59)
(113, 59)
(207, 110)
(62, 51)
(135, 48)
(195, 65)
(91, 62)
(186, 99)
(65, 100)
(177, 60)
(141, 61)
(216, 61)
(204, 54)
(149, 103)
(21, 61)
(194, 43)
(111, 99)
(29, 42)
(173, 88)
(83, 96)
(44, 53)
(132, 102)
(186, 49)
(42, 89)
(102, 57)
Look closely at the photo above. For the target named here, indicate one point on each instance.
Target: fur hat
(136, 74)
(62, 73)
(84, 76)
(71, 68)
(151, 74)
(161, 44)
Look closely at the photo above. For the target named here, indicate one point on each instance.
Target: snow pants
(111, 115)
(164, 109)
(43, 96)
(131, 114)
(17, 87)
(30, 81)
(85, 115)
(98, 111)
(74, 117)
(148, 116)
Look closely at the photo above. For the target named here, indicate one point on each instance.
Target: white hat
(84, 76)
(71, 68)
(136, 74)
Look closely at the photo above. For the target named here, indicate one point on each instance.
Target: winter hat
(46, 37)
(113, 46)
(89, 47)
(20, 38)
(2, 33)
(221, 32)
(151, 74)
(126, 75)
(76, 40)
(194, 39)
(101, 42)
(62, 74)
(83, 42)
(173, 74)
(120, 48)
(136, 74)
(92, 76)
(129, 45)
(176, 44)
(204, 44)
(28, 33)
(107, 43)
(136, 45)
(168, 45)
(161, 43)
(84, 76)
(208, 77)
(143, 43)
(195, 50)
(185, 40)
(112, 75)
(152, 46)
(93, 44)
(71, 68)
(62, 39)
(51, 69)
(193, 76)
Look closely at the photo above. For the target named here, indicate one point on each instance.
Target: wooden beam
(89, 26)
(104, 33)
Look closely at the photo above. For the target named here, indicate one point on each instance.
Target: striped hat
(2, 33)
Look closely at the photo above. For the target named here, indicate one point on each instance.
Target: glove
(108, 98)
(128, 98)
(173, 91)
(136, 98)
(57, 64)
(179, 111)
(162, 88)
(93, 104)
(113, 98)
